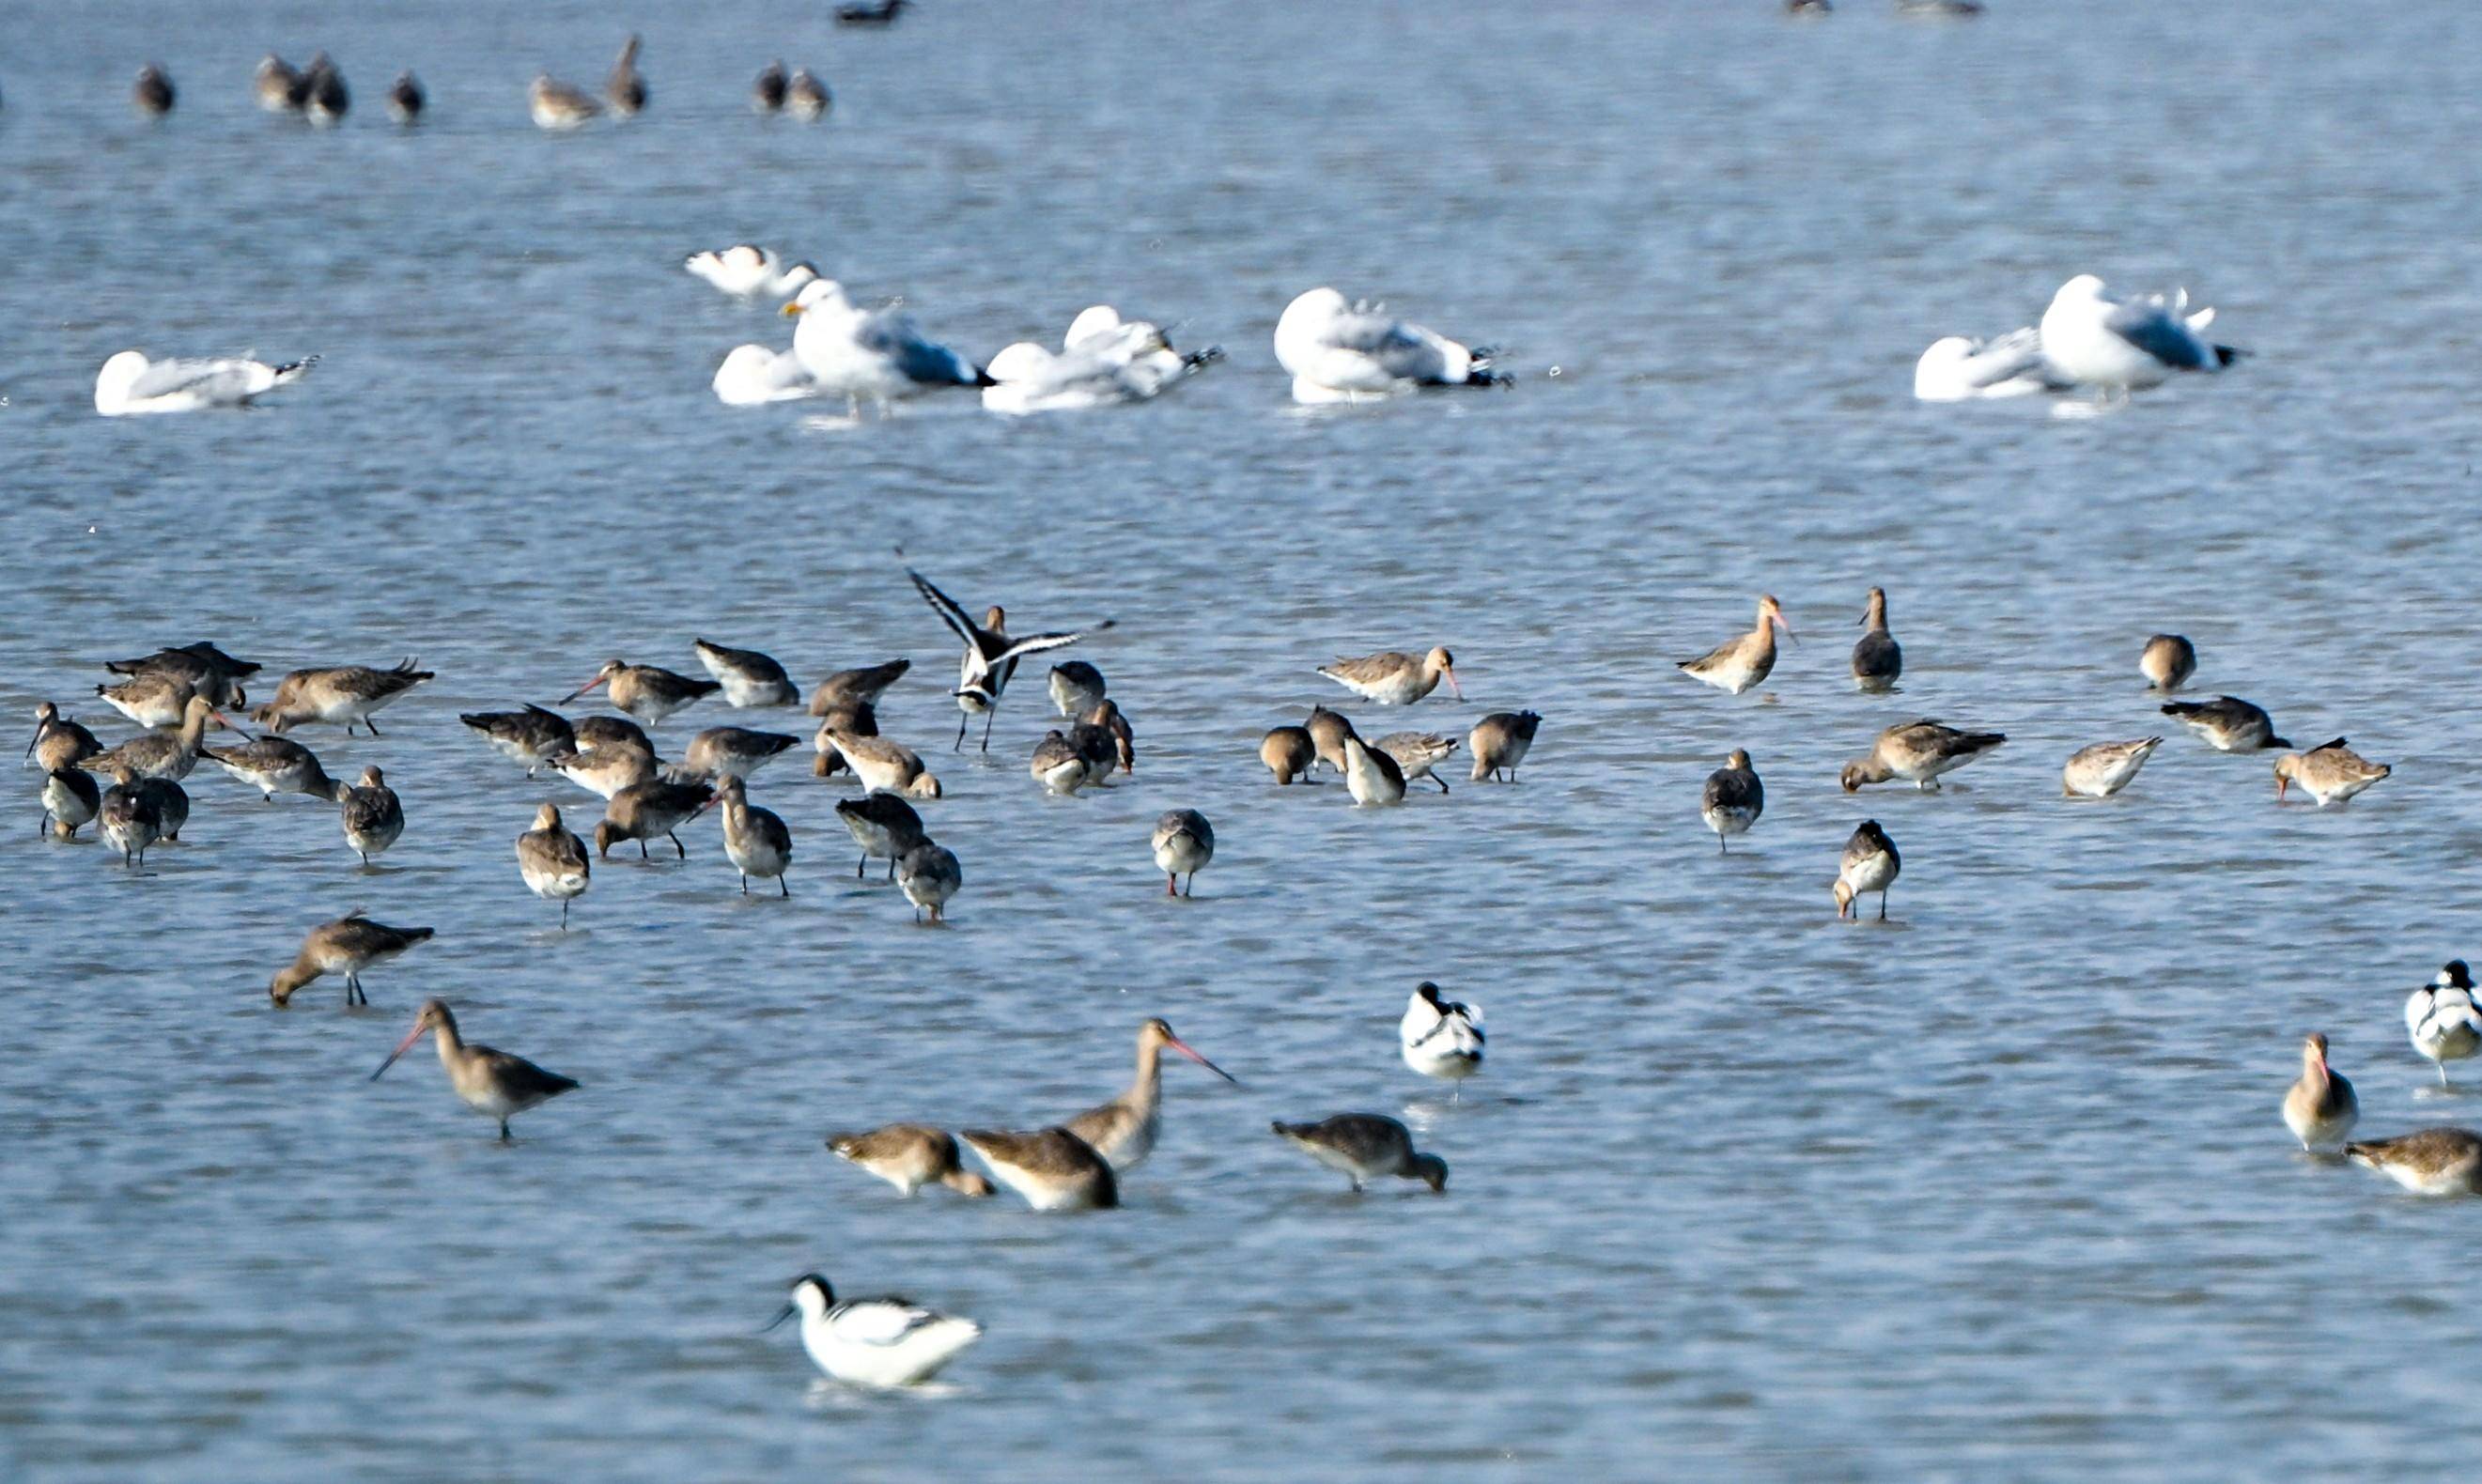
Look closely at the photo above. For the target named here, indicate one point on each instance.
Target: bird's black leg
(989, 716)
(504, 1133)
(373, 725)
(677, 845)
(783, 891)
(861, 864)
(642, 852)
(962, 721)
(745, 883)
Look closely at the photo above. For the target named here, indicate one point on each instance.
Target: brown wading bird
(2435, 1161)
(2104, 769)
(1736, 665)
(2329, 774)
(347, 694)
(553, 862)
(648, 692)
(1394, 678)
(1878, 659)
(1052, 1168)
(1183, 844)
(754, 840)
(59, 741)
(2167, 661)
(347, 945)
(1288, 752)
(909, 1155)
(1918, 752)
(749, 678)
(1499, 741)
(1123, 1129)
(2320, 1109)
(1870, 864)
(493, 1083)
(882, 825)
(1364, 1147)
(372, 815)
(2226, 723)
(642, 810)
(1733, 799)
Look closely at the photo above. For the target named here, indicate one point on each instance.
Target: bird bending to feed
(642, 810)
(406, 98)
(1500, 741)
(1077, 688)
(1733, 799)
(1739, 663)
(71, 798)
(553, 862)
(749, 678)
(325, 99)
(766, 90)
(884, 767)
(1870, 864)
(2117, 346)
(754, 840)
(605, 770)
(2167, 661)
(909, 1155)
(532, 737)
(1918, 752)
(805, 96)
(1103, 361)
(169, 756)
(991, 652)
(1057, 764)
(558, 106)
(1877, 658)
(153, 699)
(346, 696)
(2105, 768)
(748, 270)
(1289, 753)
(371, 814)
(130, 818)
(858, 687)
(1371, 776)
(2329, 774)
(880, 1343)
(152, 95)
(1123, 1129)
(1328, 731)
(648, 692)
(1183, 844)
(1440, 1037)
(59, 743)
(209, 671)
(1958, 368)
(2435, 1161)
(1364, 1147)
(347, 945)
(493, 1083)
(276, 84)
(929, 874)
(722, 752)
(1052, 1170)
(874, 355)
(1106, 736)
(882, 825)
(2226, 723)
(2320, 1109)
(1418, 753)
(2442, 1018)
(130, 386)
(624, 87)
(277, 765)
(1395, 678)
(1341, 352)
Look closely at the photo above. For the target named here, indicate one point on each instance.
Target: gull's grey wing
(2157, 331)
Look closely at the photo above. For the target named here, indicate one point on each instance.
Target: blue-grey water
(1996, 1191)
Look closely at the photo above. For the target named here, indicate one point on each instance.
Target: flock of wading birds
(176, 694)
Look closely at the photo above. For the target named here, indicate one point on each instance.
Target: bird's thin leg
(642, 852)
(989, 716)
(963, 721)
(745, 883)
(1721, 847)
(563, 915)
(677, 845)
(1882, 906)
(1172, 883)
(860, 864)
(891, 868)
(781, 889)
(373, 725)
(1442, 782)
(504, 1132)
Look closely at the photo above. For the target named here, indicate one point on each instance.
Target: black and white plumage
(767, 90)
(1440, 1037)
(406, 98)
(325, 99)
(1733, 799)
(1340, 351)
(2442, 1018)
(749, 271)
(991, 653)
(130, 384)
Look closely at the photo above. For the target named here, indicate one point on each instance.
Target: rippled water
(1995, 1190)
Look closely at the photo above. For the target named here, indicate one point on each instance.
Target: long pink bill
(401, 1046)
(1184, 1047)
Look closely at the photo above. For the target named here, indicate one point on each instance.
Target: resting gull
(753, 375)
(2120, 345)
(1956, 369)
(130, 384)
(1353, 352)
(870, 354)
(1103, 360)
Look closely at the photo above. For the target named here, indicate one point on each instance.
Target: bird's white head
(1091, 321)
(816, 295)
(2083, 289)
(119, 373)
(1022, 361)
(1304, 319)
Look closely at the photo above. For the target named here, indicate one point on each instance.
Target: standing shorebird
(1077, 688)
(864, 685)
(1183, 844)
(648, 692)
(59, 741)
(559, 107)
(1918, 752)
(493, 1083)
(130, 819)
(277, 765)
(2442, 1018)
(532, 737)
(2226, 723)
(1052, 1169)
(767, 90)
(276, 85)
(991, 652)
(884, 767)
(1733, 799)
(929, 874)
(1418, 753)
(152, 95)
(880, 1342)
(1395, 678)
(805, 96)
(2320, 1109)
(163, 755)
(348, 695)
(2167, 661)
(1123, 1129)
(371, 814)
(624, 88)
(1440, 1037)
(1878, 659)
(72, 797)
(406, 98)
(749, 678)
(2329, 774)
(1105, 716)
(2435, 1161)
(754, 840)
(155, 699)
(1870, 864)
(1739, 663)
(2105, 768)
(883, 825)
(1500, 741)
(1364, 1147)
(1371, 776)
(1288, 753)
(347, 945)
(909, 1155)
(722, 752)
(553, 862)
(642, 810)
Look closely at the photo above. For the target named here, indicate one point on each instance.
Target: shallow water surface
(1994, 1189)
